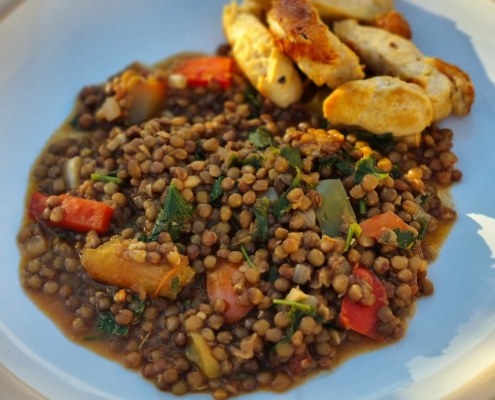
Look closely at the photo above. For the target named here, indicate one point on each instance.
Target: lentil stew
(184, 225)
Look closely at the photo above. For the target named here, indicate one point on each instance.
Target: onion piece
(299, 296)
(270, 194)
(72, 172)
(302, 274)
(309, 218)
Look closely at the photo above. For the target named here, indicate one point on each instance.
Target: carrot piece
(201, 70)
(81, 215)
(374, 226)
(219, 286)
(359, 317)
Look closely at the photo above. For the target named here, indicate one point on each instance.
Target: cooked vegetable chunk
(358, 316)
(74, 213)
(220, 286)
(200, 354)
(134, 98)
(201, 70)
(335, 209)
(375, 226)
(122, 263)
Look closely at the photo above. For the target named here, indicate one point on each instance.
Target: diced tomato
(374, 226)
(359, 317)
(219, 286)
(201, 70)
(81, 215)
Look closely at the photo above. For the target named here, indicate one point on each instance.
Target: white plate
(50, 49)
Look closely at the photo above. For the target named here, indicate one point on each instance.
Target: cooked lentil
(191, 143)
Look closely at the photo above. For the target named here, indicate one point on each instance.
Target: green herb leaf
(379, 142)
(423, 222)
(137, 305)
(106, 178)
(353, 232)
(326, 162)
(234, 160)
(423, 199)
(273, 274)
(261, 138)
(295, 315)
(248, 260)
(174, 215)
(283, 206)
(396, 173)
(108, 325)
(260, 211)
(251, 97)
(367, 165)
(362, 206)
(175, 284)
(405, 239)
(255, 160)
(293, 156)
(307, 308)
(199, 152)
(94, 338)
(345, 166)
(216, 190)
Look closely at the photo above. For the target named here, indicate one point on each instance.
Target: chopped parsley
(108, 325)
(424, 228)
(106, 178)
(199, 152)
(345, 166)
(380, 142)
(405, 239)
(367, 165)
(255, 160)
(216, 190)
(326, 162)
(175, 286)
(260, 211)
(293, 156)
(261, 138)
(273, 274)
(251, 97)
(283, 206)
(362, 206)
(137, 305)
(353, 232)
(248, 260)
(295, 314)
(174, 215)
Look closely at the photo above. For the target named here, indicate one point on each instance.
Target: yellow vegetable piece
(200, 354)
(123, 263)
(137, 98)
